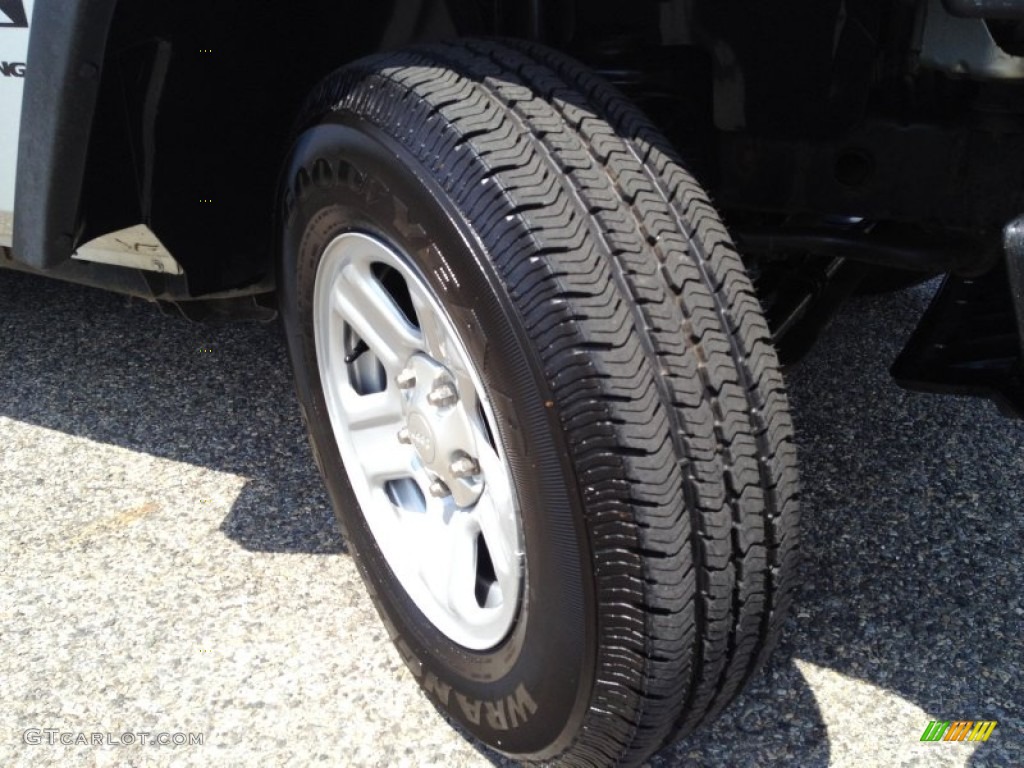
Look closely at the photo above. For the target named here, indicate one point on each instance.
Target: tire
(598, 309)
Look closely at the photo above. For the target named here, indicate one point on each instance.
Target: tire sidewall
(529, 694)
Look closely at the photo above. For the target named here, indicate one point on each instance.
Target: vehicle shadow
(911, 509)
(111, 369)
(913, 535)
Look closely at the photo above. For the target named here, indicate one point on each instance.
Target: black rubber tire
(639, 398)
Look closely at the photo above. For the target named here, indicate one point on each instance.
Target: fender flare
(65, 60)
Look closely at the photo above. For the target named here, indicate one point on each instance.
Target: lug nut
(403, 436)
(442, 395)
(464, 466)
(406, 379)
(439, 490)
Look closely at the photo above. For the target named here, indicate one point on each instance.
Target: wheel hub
(421, 436)
(439, 429)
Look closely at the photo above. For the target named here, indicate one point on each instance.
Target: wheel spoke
(363, 303)
(449, 566)
(462, 578)
(432, 333)
(470, 401)
(498, 526)
(383, 457)
(376, 410)
(373, 422)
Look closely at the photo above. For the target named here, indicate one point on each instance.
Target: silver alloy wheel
(417, 437)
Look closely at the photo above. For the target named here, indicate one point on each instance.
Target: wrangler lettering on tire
(543, 397)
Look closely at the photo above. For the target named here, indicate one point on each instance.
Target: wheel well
(194, 113)
(196, 103)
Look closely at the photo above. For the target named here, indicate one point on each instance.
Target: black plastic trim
(65, 60)
(968, 343)
(886, 245)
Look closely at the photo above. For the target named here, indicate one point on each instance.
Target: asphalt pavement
(170, 566)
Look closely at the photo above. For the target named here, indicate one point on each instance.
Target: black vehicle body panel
(65, 61)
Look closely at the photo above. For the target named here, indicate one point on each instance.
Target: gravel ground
(169, 562)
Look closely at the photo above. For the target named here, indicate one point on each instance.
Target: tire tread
(655, 349)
